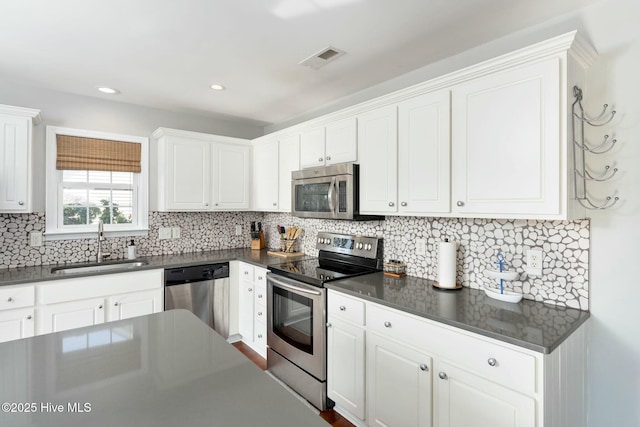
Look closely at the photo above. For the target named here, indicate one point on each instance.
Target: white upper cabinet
(424, 154)
(265, 175)
(201, 172)
(327, 145)
(288, 161)
(378, 148)
(231, 174)
(16, 146)
(506, 143)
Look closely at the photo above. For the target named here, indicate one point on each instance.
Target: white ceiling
(166, 53)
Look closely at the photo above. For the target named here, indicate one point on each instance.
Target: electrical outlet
(421, 247)
(35, 238)
(164, 233)
(175, 232)
(534, 262)
(238, 230)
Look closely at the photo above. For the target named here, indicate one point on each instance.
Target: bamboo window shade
(80, 153)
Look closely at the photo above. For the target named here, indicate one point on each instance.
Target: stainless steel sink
(97, 267)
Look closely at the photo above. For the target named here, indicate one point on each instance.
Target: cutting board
(285, 254)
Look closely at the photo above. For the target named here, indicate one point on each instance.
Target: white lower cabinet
(253, 307)
(464, 399)
(16, 324)
(71, 315)
(420, 372)
(399, 384)
(135, 304)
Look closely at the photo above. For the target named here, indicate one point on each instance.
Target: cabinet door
(265, 176)
(341, 142)
(346, 366)
(378, 158)
(231, 176)
(16, 324)
(463, 399)
(246, 311)
(70, 315)
(506, 143)
(14, 163)
(289, 161)
(135, 304)
(399, 384)
(188, 174)
(424, 143)
(312, 148)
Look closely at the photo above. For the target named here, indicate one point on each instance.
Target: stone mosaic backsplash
(564, 280)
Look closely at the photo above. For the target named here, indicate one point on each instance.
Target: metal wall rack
(580, 149)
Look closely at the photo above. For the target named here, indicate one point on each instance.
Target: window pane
(72, 196)
(122, 215)
(100, 176)
(122, 178)
(74, 215)
(100, 197)
(122, 197)
(74, 176)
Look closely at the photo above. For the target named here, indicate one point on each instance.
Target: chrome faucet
(101, 255)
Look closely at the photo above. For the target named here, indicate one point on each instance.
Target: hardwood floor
(330, 416)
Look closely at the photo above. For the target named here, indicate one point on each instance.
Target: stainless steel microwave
(330, 192)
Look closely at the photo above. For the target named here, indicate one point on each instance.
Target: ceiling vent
(322, 58)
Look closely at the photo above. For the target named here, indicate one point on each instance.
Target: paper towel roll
(447, 264)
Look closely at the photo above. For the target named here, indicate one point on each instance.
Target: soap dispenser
(131, 254)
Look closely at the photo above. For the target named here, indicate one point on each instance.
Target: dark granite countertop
(164, 369)
(21, 275)
(529, 324)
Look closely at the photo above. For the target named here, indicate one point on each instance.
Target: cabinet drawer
(246, 272)
(261, 276)
(345, 308)
(17, 297)
(496, 362)
(261, 294)
(260, 313)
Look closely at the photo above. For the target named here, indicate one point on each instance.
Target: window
(94, 176)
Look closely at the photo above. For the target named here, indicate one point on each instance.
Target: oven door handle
(293, 288)
(332, 196)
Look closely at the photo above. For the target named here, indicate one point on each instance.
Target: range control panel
(362, 246)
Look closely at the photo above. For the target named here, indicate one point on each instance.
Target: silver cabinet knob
(328, 157)
(206, 204)
(216, 204)
(391, 204)
(460, 203)
(328, 325)
(275, 204)
(259, 296)
(29, 317)
(9, 299)
(246, 272)
(250, 290)
(100, 306)
(492, 362)
(387, 324)
(116, 304)
(259, 313)
(424, 367)
(21, 203)
(259, 335)
(403, 204)
(442, 375)
(259, 277)
(320, 159)
(343, 308)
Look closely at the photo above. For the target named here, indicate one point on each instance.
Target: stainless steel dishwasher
(201, 289)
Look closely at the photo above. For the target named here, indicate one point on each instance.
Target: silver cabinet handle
(442, 376)
(492, 362)
(328, 325)
(343, 308)
(250, 290)
(403, 204)
(259, 313)
(460, 203)
(29, 317)
(246, 272)
(259, 295)
(424, 367)
(9, 299)
(259, 277)
(320, 159)
(387, 324)
(391, 204)
(328, 157)
(259, 335)
(21, 203)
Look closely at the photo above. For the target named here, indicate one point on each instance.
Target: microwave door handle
(332, 196)
(293, 288)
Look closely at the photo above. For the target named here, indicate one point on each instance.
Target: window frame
(54, 203)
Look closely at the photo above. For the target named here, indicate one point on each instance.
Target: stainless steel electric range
(297, 306)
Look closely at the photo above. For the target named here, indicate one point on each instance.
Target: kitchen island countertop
(529, 324)
(165, 369)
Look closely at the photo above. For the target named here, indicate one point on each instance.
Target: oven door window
(312, 197)
(293, 319)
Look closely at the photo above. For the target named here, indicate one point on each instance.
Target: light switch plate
(35, 238)
(164, 233)
(238, 230)
(175, 232)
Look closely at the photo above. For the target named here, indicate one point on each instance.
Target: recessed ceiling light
(108, 90)
(217, 87)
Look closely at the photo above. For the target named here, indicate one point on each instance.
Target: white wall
(613, 27)
(62, 109)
